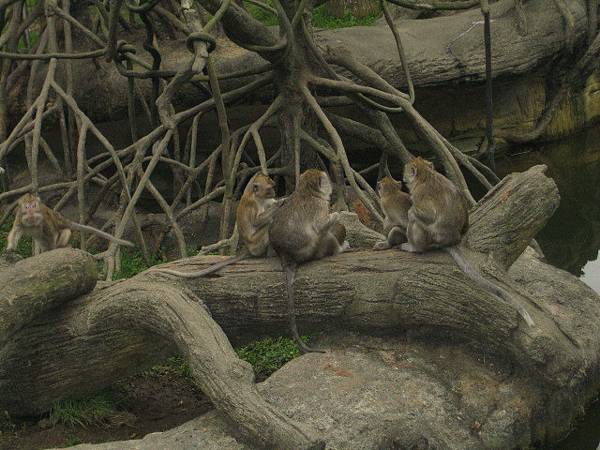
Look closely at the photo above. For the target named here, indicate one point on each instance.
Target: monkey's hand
(333, 218)
(406, 247)
(280, 201)
(382, 245)
(330, 221)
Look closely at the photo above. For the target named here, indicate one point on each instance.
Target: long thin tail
(109, 237)
(290, 275)
(486, 284)
(208, 270)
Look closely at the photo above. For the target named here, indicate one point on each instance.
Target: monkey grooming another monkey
(303, 230)
(395, 204)
(48, 228)
(254, 214)
(438, 218)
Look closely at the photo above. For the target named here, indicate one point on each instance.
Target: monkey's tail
(215, 267)
(290, 275)
(102, 234)
(462, 263)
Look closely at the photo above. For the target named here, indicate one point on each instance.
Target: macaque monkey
(48, 228)
(303, 230)
(438, 219)
(395, 204)
(254, 214)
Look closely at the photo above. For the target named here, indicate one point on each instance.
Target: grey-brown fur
(304, 230)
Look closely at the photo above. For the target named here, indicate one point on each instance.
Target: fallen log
(120, 328)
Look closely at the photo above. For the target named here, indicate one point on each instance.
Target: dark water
(571, 239)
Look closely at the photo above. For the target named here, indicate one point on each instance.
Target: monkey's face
(410, 173)
(263, 187)
(31, 215)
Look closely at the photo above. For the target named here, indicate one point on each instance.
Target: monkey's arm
(424, 212)
(13, 237)
(327, 223)
(266, 216)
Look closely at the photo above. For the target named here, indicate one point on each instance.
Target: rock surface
(370, 393)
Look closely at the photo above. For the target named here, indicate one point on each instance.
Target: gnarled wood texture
(120, 328)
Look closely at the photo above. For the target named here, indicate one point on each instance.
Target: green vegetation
(25, 247)
(175, 366)
(132, 263)
(95, 411)
(268, 355)
(320, 17)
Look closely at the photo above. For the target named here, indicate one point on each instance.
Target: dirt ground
(144, 404)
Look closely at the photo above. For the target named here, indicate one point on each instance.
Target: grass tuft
(270, 354)
(175, 367)
(132, 263)
(320, 17)
(96, 411)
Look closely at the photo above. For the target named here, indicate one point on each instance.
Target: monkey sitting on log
(254, 214)
(395, 204)
(438, 218)
(48, 228)
(303, 230)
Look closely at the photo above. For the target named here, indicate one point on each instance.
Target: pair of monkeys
(299, 228)
(433, 216)
(48, 228)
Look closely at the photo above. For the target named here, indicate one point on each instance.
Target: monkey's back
(292, 233)
(451, 214)
(396, 206)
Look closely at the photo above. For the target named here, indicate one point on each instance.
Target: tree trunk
(120, 328)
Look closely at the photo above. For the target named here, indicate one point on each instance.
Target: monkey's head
(387, 186)
(417, 171)
(29, 208)
(315, 182)
(262, 186)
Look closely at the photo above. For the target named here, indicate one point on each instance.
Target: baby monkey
(395, 204)
(48, 228)
(254, 214)
(438, 219)
(303, 230)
